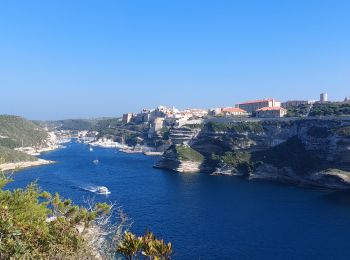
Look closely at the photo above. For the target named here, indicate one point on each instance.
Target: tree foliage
(330, 109)
(35, 224)
(147, 246)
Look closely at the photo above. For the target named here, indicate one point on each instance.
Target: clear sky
(74, 59)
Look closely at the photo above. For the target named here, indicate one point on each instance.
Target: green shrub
(8, 156)
(236, 127)
(298, 111)
(330, 109)
(186, 153)
(36, 225)
(240, 161)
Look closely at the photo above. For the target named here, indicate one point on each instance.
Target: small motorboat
(91, 149)
(96, 162)
(103, 190)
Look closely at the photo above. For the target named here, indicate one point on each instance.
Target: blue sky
(74, 59)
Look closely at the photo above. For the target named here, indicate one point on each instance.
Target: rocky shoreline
(22, 165)
(305, 152)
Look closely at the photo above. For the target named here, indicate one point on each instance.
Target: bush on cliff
(298, 111)
(186, 153)
(240, 161)
(237, 127)
(330, 109)
(290, 154)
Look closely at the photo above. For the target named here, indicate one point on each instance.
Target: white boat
(103, 190)
(91, 149)
(96, 161)
(153, 153)
(128, 150)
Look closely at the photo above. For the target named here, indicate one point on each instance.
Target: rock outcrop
(311, 151)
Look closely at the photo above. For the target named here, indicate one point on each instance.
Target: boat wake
(102, 190)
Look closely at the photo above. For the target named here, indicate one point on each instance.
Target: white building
(252, 106)
(323, 97)
(294, 103)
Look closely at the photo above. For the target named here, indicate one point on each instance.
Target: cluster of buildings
(265, 108)
(163, 116)
(268, 107)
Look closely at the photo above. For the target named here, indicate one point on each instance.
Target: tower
(323, 97)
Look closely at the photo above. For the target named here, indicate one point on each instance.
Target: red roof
(271, 108)
(233, 110)
(259, 101)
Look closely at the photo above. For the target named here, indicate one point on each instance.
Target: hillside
(79, 124)
(17, 132)
(9, 155)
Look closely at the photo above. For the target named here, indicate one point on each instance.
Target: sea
(203, 216)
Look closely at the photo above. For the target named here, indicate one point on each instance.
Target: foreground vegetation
(37, 225)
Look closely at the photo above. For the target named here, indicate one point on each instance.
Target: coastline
(22, 165)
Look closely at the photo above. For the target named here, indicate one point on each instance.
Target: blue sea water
(205, 217)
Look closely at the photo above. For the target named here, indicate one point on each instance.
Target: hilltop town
(155, 131)
(268, 108)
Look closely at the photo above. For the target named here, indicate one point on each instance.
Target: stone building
(271, 112)
(215, 111)
(252, 106)
(294, 103)
(323, 97)
(156, 126)
(127, 118)
(234, 111)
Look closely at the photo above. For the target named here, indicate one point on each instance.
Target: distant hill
(79, 124)
(68, 124)
(16, 132)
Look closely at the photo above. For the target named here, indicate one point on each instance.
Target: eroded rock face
(323, 139)
(326, 141)
(172, 160)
